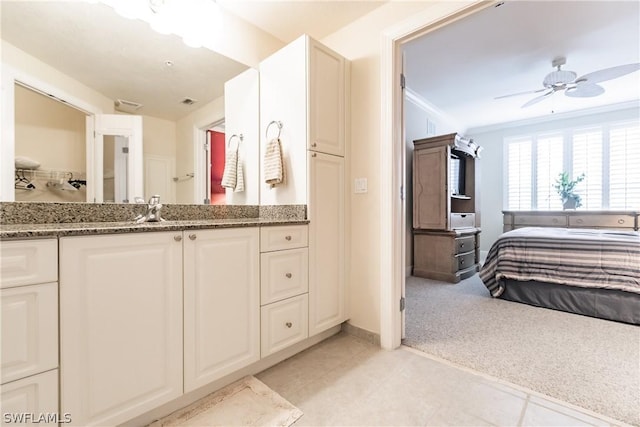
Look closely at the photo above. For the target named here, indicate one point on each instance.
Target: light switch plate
(360, 185)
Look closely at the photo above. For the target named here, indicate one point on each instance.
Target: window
(608, 156)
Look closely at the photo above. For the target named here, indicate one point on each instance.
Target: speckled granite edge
(57, 213)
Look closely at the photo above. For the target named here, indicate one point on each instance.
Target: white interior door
(127, 172)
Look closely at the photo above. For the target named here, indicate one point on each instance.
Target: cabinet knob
(621, 221)
(192, 236)
(177, 238)
(555, 220)
(579, 221)
(314, 155)
(288, 238)
(288, 275)
(314, 144)
(289, 324)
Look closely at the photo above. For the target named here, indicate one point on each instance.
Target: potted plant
(566, 190)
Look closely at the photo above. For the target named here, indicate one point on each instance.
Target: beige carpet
(247, 402)
(591, 363)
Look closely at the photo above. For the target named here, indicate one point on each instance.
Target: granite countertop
(21, 231)
(20, 220)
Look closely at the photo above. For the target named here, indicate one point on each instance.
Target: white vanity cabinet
(120, 325)
(221, 303)
(29, 312)
(284, 287)
(303, 87)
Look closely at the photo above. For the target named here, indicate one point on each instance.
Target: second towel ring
(273, 122)
(240, 137)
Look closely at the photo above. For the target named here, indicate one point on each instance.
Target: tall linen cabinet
(303, 100)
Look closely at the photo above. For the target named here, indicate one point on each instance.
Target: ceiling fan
(572, 85)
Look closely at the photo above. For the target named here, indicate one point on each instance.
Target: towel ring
(240, 137)
(273, 122)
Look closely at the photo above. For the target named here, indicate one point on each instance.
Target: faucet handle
(154, 200)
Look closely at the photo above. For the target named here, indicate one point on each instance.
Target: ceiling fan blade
(537, 99)
(584, 90)
(521, 93)
(609, 73)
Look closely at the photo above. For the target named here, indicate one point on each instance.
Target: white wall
(492, 163)
(360, 42)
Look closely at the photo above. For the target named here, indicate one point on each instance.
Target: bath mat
(247, 402)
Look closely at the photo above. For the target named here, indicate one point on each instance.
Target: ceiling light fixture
(195, 21)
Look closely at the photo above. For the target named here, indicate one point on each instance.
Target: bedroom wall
(492, 172)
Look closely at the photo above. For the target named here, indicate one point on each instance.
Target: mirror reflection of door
(216, 139)
(114, 158)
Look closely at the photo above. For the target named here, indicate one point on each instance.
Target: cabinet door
(326, 99)
(29, 330)
(120, 325)
(430, 192)
(327, 294)
(32, 401)
(221, 303)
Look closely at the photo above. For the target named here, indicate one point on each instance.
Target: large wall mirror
(65, 63)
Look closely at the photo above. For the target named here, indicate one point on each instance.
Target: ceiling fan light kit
(572, 85)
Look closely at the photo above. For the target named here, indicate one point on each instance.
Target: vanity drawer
(28, 262)
(37, 394)
(540, 220)
(462, 220)
(284, 323)
(283, 237)
(465, 244)
(607, 221)
(466, 260)
(283, 274)
(29, 330)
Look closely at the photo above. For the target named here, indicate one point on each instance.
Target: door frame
(392, 167)
(11, 77)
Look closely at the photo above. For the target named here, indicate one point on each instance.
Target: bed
(593, 272)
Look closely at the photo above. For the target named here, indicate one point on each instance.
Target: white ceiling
(463, 66)
(459, 68)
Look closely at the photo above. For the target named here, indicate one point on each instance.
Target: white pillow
(23, 162)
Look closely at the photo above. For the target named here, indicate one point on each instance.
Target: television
(457, 174)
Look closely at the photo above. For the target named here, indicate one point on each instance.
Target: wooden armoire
(446, 208)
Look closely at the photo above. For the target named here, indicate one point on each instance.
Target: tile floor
(345, 381)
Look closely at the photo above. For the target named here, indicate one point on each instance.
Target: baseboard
(408, 271)
(363, 334)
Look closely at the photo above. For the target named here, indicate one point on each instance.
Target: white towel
(233, 177)
(273, 163)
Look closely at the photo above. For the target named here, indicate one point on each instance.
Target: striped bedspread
(577, 257)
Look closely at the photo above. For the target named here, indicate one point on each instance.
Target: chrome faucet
(153, 211)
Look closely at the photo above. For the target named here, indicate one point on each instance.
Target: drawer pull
(621, 221)
(288, 275)
(579, 221)
(288, 238)
(192, 236)
(177, 238)
(289, 324)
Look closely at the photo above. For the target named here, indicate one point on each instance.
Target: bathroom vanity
(149, 313)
